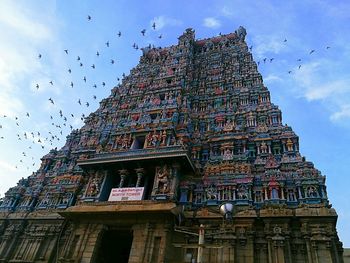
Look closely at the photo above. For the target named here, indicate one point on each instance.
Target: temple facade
(186, 161)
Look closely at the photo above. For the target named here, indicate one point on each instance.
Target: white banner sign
(126, 194)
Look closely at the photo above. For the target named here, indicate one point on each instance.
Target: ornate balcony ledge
(176, 151)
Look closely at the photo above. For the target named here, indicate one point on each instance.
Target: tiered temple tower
(189, 129)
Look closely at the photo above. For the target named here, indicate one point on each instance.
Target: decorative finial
(241, 33)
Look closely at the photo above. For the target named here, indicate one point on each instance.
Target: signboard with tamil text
(126, 194)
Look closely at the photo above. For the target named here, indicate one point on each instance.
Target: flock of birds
(59, 124)
(299, 60)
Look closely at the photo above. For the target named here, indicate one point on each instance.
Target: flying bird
(312, 51)
(97, 53)
(81, 64)
(89, 17)
(289, 71)
(143, 31)
(79, 102)
(78, 58)
(119, 34)
(69, 70)
(87, 104)
(84, 78)
(103, 84)
(93, 66)
(271, 59)
(107, 43)
(39, 56)
(51, 100)
(299, 67)
(285, 40)
(66, 50)
(328, 47)
(37, 86)
(154, 25)
(160, 36)
(112, 61)
(51, 82)
(71, 84)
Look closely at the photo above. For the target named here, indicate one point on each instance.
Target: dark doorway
(115, 247)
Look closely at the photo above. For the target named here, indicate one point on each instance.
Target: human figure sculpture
(163, 179)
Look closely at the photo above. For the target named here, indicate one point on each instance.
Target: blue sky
(312, 90)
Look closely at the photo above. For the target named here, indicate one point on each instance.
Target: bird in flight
(93, 66)
(154, 25)
(71, 84)
(78, 58)
(84, 78)
(39, 56)
(143, 31)
(107, 43)
(285, 40)
(119, 34)
(69, 70)
(51, 82)
(328, 47)
(312, 51)
(51, 100)
(37, 86)
(112, 61)
(66, 50)
(97, 53)
(160, 36)
(89, 17)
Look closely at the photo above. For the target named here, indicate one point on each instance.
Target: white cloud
(344, 113)
(164, 21)
(311, 78)
(9, 105)
(20, 21)
(262, 45)
(226, 11)
(6, 166)
(272, 78)
(211, 22)
(318, 81)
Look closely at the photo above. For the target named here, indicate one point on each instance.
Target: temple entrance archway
(115, 246)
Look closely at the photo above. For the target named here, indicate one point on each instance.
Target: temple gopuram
(186, 161)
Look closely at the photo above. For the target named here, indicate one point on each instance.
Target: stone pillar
(299, 193)
(123, 174)
(265, 193)
(140, 172)
(282, 193)
(278, 243)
